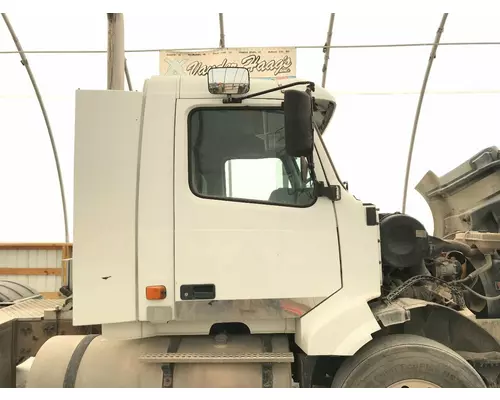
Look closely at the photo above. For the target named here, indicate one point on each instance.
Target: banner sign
(270, 63)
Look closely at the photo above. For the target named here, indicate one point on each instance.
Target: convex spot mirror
(299, 137)
(228, 81)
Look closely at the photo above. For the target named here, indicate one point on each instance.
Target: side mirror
(299, 138)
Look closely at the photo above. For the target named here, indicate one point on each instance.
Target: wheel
(406, 361)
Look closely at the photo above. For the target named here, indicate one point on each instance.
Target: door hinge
(332, 192)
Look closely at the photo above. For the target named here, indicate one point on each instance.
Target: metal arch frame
(127, 75)
(327, 48)
(419, 107)
(24, 62)
(338, 46)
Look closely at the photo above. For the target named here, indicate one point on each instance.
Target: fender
(330, 330)
(459, 331)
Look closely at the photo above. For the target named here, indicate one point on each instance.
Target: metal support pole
(326, 49)
(419, 107)
(116, 52)
(222, 44)
(24, 61)
(127, 75)
(222, 41)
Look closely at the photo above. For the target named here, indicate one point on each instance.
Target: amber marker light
(156, 292)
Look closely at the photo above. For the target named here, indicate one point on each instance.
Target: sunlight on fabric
(376, 89)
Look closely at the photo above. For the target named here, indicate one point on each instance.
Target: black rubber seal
(74, 362)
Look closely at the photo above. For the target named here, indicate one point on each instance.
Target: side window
(255, 179)
(239, 154)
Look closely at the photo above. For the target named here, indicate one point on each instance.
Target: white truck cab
(216, 246)
(176, 188)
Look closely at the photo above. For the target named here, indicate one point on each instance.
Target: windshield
(239, 153)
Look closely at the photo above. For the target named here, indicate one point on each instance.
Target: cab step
(186, 358)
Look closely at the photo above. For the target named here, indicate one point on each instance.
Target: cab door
(247, 245)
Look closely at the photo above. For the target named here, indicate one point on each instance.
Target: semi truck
(216, 245)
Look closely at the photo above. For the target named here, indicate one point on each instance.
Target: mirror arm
(331, 192)
(311, 166)
(231, 100)
(320, 190)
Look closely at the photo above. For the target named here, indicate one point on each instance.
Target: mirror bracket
(232, 100)
(332, 192)
(236, 100)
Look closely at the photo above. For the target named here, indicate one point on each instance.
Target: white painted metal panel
(344, 322)
(104, 251)
(156, 199)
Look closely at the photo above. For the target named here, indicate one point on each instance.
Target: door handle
(198, 292)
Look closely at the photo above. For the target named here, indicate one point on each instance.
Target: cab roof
(190, 87)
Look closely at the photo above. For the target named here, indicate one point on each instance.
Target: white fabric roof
(376, 88)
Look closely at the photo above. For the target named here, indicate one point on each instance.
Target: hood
(466, 198)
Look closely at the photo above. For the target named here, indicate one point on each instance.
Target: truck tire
(406, 361)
